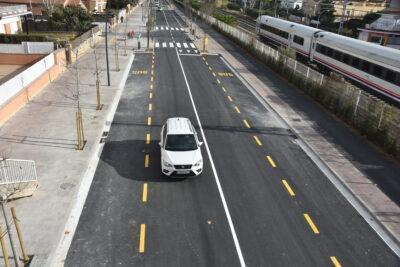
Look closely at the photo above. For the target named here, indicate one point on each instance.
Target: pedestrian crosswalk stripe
(192, 45)
(185, 45)
(162, 28)
(182, 29)
(164, 44)
(188, 50)
(172, 28)
(156, 27)
(178, 45)
(171, 44)
(196, 51)
(180, 50)
(157, 44)
(167, 28)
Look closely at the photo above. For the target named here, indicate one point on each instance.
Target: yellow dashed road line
(151, 95)
(214, 74)
(144, 196)
(288, 188)
(149, 121)
(246, 124)
(223, 89)
(142, 237)
(147, 139)
(230, 98)
(335, 262)
(209, 68)
(150, 107)
(257, 140)
(146, 160)
(271, 161)
(237, 109)
(218, 81)
(151, 86)
(311, 223)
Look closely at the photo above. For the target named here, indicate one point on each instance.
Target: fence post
(4, 249)
(308, 72)
(380, 118)
(322, 79)
(356, 107)
(19, 234)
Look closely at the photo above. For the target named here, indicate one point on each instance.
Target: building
(291, 4)
(37, 7)
(358, 9)
(385, 30)
(10, 18)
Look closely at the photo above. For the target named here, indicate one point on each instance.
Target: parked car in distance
(180, 149)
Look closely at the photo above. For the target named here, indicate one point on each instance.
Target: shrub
(233, 6)
(228, 19)
(196, 4)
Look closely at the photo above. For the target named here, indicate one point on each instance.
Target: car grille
(182, 167)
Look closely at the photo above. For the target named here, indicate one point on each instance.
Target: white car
(180, 149)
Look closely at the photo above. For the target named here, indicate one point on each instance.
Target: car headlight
(198, 163)
(167, 164)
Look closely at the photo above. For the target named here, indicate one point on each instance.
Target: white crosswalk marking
(180, 50)
(185, 45)
(167, 28)
(157, 44)
(178, 45)
(196, 51)
(171, 44)
(164, 44)
(172, 28)
(162, 28)
(188, 50)
(177, 29)
(156, 27)
(192, 45)
(182, 29)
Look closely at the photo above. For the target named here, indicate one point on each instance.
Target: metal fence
(13, 171)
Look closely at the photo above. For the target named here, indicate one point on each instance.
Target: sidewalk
(44, 131)
(353, 166)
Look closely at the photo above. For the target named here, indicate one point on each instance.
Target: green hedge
(36, 37)
(253, 12)
(228, 19)
(196, 4)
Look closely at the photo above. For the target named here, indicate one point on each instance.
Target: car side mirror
(200, 143)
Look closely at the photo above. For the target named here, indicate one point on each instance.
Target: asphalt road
(283, 211)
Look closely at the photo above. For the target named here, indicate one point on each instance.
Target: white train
(369, 64)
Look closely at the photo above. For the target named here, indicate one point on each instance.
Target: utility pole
(342, 18)
(108, 67)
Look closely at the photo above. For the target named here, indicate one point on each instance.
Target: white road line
(167, 28)
(182, 29)
(156, 27)
(172, 28)
(171, 44)
(221, 193)
(185, 45)
(178, 22)
(164, 44)
(192, 45)
(188, 50)
(178, 45)
(162, 28)
(157, 44)
(180, 50)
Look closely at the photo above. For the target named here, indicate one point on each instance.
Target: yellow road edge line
(230, 99)
(147, 139)
(237, 109)
(288, 188)
(257, 140)
(218, 81)
(146, 160)
(271, 161)
(152, 78)
(144, 196)
(151, 95)
(142, 237)
(311, 223)
(150, 106)
(335, 262)
(151, 86)
(152, 72)
(209, 68)
(214, 74)
(149, 121)
(223, 89)
(203, 58)
(206, 63)
(152, 66)
(247, 124)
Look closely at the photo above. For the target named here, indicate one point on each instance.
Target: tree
(325, 12)
(71, 18)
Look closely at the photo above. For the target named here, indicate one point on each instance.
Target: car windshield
(180, 142)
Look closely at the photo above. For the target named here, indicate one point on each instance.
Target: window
(355, 62)
(329, 52)
(275, 31)
(346, 59)
(180, 142)
(377, 71)
(390, 76)
(298, 40)
(365, 66)
(337, 55)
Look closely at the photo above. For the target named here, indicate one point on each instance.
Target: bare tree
(49, 6)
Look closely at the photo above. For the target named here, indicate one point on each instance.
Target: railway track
(246, 24)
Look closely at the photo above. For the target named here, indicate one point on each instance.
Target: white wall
(12, 87)
(28, 48)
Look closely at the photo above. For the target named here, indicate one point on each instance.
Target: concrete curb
(58, 255)
(333, 177)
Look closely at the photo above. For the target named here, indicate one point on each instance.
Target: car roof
(179, 125)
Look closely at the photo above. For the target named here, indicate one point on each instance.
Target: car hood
(182, 157)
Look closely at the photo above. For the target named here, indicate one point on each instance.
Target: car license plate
(183, 172)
